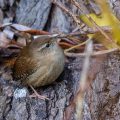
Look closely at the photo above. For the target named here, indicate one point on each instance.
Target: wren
(39, 63)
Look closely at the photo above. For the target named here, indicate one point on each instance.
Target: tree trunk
(101, 99)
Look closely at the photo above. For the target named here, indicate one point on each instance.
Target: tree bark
(101, 99)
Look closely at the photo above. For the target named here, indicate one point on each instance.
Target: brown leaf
(37, 32)
(26, 29)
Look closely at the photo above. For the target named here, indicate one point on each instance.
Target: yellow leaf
(106, 18)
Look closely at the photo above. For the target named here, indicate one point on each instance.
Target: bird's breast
(48, 71)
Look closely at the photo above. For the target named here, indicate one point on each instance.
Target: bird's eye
(47, 45)
(42, 47)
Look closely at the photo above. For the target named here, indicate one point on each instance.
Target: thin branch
(77, 102)
(77, 21)
(63, 35)
(94, 23)
(93, 54)
(83, 80)
(75, 46)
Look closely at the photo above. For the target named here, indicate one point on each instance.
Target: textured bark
(33, 13)
(101, 99)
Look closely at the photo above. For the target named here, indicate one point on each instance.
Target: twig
(89, 18)
(75, 46)
(78, 100)
(93, 54)
(67, 11)
(83, 81)
(78, 6)
(94, 24)
(63, 35)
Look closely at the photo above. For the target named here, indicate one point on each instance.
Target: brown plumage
(39, 63)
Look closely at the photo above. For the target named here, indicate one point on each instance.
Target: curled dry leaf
(6, 40)
(20, 27)
(26, 29)
(5, 25)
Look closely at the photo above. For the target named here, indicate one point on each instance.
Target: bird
(39, 63)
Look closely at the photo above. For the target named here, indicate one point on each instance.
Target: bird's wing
(23, 68)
